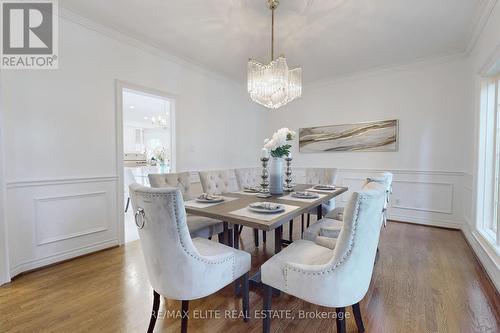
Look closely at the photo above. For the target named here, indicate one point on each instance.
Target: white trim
(174, 99)
(68, 236)
(433, 222)
(135, 41)
(60, 256)
(486, 255)
(11, 184)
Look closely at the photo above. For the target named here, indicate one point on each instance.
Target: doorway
(147, 143)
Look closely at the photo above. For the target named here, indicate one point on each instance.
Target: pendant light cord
(272, 34)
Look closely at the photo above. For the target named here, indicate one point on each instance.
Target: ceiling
(328, 38)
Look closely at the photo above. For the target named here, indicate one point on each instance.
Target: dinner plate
(219, 199)
(324, 187)
(267, 211)
(304, 196)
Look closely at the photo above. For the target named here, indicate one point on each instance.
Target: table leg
(278, 238)
(319, 212)
(236, 233)
(228, 237)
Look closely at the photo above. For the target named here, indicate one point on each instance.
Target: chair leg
(308, 219)
(340, 319)
(185, 316)
(154, 312)
(245, 283)
(256, 237)
(264, 236)
(357, 316)
(267, 303)
(128, 203)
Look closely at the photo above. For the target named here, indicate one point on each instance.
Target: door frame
(174, 103)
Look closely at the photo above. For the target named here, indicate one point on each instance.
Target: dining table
(234, 209)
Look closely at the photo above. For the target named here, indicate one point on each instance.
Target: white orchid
(277, 145)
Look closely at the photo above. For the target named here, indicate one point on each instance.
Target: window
(489, 147)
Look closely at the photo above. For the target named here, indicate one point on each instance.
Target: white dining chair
(129, 178)
(224, 181)
(179, 267)
(320, 176)
(332, 278)
(248, 177)
(326, 231)
(199, 226)
(384, 178)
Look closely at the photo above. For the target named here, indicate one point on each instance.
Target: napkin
(305, 193)
(324, 187)
(206, 196)
(265, 205)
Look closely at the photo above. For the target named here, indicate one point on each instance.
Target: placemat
(291, 198)
(246, 212)
(195, 204)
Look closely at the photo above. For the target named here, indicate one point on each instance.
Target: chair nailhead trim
(173, 198)
(342, 260)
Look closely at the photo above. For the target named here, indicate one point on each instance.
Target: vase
(276, 176)
(163, 167)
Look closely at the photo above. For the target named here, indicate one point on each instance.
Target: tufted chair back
(218, 181)
(175, 267)
(180, 180)
(248, 177)
(324, 176)
(345, 278)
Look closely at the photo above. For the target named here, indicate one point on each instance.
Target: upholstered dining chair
(385, 179)
(332, 278)
(129, 179)
(179, 267)
(198, 226)
(223, 181)
(326, 231)
(323, 176)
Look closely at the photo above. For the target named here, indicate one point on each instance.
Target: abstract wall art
(369, 136)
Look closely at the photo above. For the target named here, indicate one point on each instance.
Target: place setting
(326, 188)
(305, 196)
(207, 200)
(264, 210)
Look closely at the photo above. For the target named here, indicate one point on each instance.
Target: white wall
(60, 138)
(430, 100)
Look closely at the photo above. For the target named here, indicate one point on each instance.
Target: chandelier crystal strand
(273, 85)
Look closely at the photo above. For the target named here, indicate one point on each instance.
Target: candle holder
(264, 192)
(288, 175)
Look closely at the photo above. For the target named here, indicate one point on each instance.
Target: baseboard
(425, 221)
(484, 259)
(62, 256)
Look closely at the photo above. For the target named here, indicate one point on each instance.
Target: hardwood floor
(425, 280)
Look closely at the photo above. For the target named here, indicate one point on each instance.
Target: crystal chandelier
(273, 85)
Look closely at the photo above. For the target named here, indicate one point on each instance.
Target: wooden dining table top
(223, 210)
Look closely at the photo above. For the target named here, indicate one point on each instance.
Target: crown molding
(382, 70)
(478, 27)
(135, 41)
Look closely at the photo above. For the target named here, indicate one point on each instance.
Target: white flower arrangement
(160, 154)
(278, 145)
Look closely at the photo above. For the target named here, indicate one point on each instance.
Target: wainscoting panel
(433, 198)
(54, 220)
